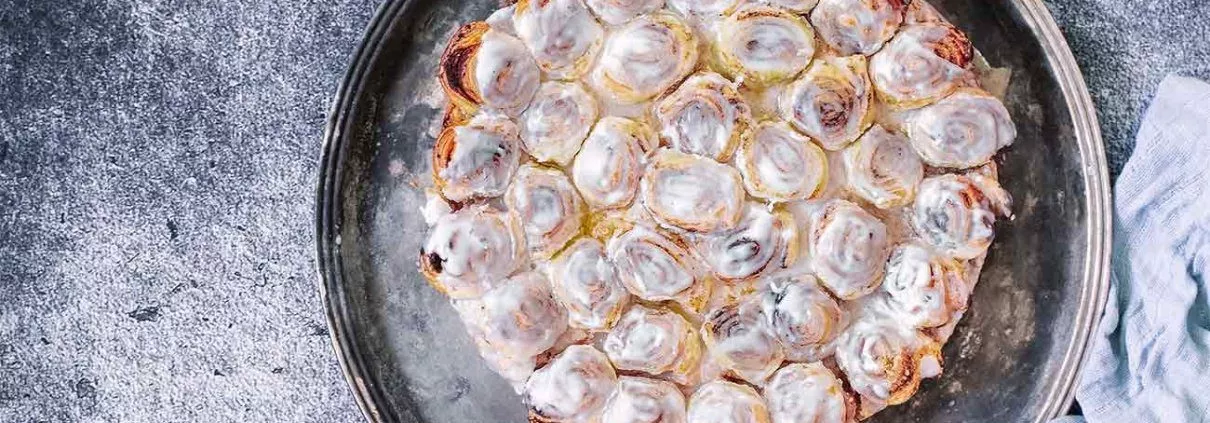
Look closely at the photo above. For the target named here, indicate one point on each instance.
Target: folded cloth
(1150, 358)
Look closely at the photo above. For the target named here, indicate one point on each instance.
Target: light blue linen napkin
(1150, 360)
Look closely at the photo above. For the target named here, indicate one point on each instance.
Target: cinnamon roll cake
(768, 211)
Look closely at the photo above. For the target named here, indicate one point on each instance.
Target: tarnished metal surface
(1014, 356)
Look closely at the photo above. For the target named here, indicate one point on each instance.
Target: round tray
(1015, 356)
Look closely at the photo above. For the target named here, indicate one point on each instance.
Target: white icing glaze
(883, 169)
(617, 12)
(650, 265)
(470, 251)
(830, 102)
(763, 239)
(779, 164)
(802, 316)
(961, 131)
(571, 388)
(883, 360)
(548, 207)
(506, 75)
(645, 58)
(642, 400)
(926, 289)
(692, 192)
(485, 155)
(738, 338)
(609, 165)
(587, 284)
(562, 35)
(702, 8)
(797, 6)
(434, 207)
(848, 249)
(653, 341)
(909, 72)
(705, 116)
(765, 44)
(725, 402)
(519, 318)
(554, 126)
(857, 26)
(807, 393)
(955, 213)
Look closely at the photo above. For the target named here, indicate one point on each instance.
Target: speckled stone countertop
(157, 171)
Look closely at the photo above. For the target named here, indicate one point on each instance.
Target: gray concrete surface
(157, 165)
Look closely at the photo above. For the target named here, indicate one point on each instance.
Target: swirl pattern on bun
(726, 402)
(763, 240)
(691, 192)
(763, 44)
(547, 202)
(617, 12)
(610, 164)
(802, 316)
(704, 116)
(562, 35)
(848, 249)
(885, 362)
(484, 67)
(955, 214)
(922, 64)
(779, 164)
(519, 318)
(469, 251)
(558, 120)
(961, 131)
(654, 341)
(638, 399)
(655, 268)
(587, 284)
(808, 393)
(476, 160)
(857, 26)
(645, 57)
(924, 288)
(739, 340)
(573, 387)
(830, 102)
(883, 169)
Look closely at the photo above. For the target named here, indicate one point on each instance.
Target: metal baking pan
(1015, 356)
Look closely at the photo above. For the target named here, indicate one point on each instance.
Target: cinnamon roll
(654, 341)
(469, 251)
(883, 169)
(476, 160)
(726, 402)
(587, 284)
(703, 8)
(857, 26)
(645, 58)
(547, 202)
(924, 288)
(922, 64)
(562, 35)
(692, 192)
(763, 44)
(848, 249)
(739, 340)
(610, 164)
(655, 268)
(955, 214)
(643, 400)
(763, 239)
(884, 362)
(617, 12)
(554, 126)
(802, 316)
(778, 164)
(484, 67)
(796, 6)
(961, 131)
(517, 319)
(573, 387)
(808, 393)
(704, 116)
(830, 102)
